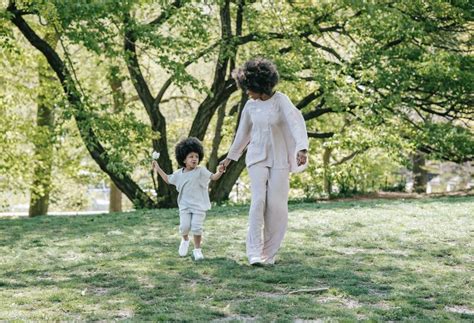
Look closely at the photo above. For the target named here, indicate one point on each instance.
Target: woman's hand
(225, 163)
(301, 157)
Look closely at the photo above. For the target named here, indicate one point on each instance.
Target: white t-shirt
(193, 188)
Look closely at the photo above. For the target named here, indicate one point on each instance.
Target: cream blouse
(273, 132)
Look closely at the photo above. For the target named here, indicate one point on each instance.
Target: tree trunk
(221, 189)
(43, 158)
(44, 137)
(221, 88)
(115, 201)
(166, 194)
(118, 97)
(213, 158)
(327, 180)
(420, 175)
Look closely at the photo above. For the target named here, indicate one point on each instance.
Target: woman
(274, 132)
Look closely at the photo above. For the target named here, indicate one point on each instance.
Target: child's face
(192, 160)
(253, 95)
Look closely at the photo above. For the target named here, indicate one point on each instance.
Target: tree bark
(420, 174)
(216, 141)
(115, 198)
(221, 189)
(327, 181)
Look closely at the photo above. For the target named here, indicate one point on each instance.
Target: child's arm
(218, 174)
(158, 170)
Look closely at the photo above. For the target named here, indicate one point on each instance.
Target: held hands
(224, 163)
(301, 157)
(221, 168)
(220, 171)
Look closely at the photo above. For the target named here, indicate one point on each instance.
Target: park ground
(349, 260)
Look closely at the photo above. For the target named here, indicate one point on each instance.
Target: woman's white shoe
(255, 261)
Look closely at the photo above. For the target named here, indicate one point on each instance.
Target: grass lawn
(374, 260)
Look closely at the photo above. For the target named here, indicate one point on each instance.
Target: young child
(192, 182)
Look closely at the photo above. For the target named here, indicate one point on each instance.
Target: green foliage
(16, 131)
(370, 171)
(447, 140)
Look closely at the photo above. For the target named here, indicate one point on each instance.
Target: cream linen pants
(268, 216)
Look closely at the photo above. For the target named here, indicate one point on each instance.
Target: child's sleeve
(205, 175)
(173, 178)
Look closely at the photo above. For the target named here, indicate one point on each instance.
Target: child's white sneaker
(197, 253)
(183, 247)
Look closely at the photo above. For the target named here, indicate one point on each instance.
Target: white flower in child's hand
(155, 155)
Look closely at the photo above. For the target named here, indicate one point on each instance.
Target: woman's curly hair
(258, 75)
(187, 146)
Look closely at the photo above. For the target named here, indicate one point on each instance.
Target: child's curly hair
(187, 146)
(258, 75)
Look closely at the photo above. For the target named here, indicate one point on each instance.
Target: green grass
(379, 260)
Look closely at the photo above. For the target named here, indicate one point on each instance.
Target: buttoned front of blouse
(274, 131)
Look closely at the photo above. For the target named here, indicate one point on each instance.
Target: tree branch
(136, 74)
(325, 48)
(320, 135)
(166, 13)
(349, 157)
(308, 99)
(318, 111)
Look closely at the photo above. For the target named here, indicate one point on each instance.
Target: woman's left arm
(297, 127)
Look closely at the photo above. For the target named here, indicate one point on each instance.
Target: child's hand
(221, 168)
(155, 166)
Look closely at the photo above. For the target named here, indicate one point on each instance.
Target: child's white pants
(191, 221)
(268, 211)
